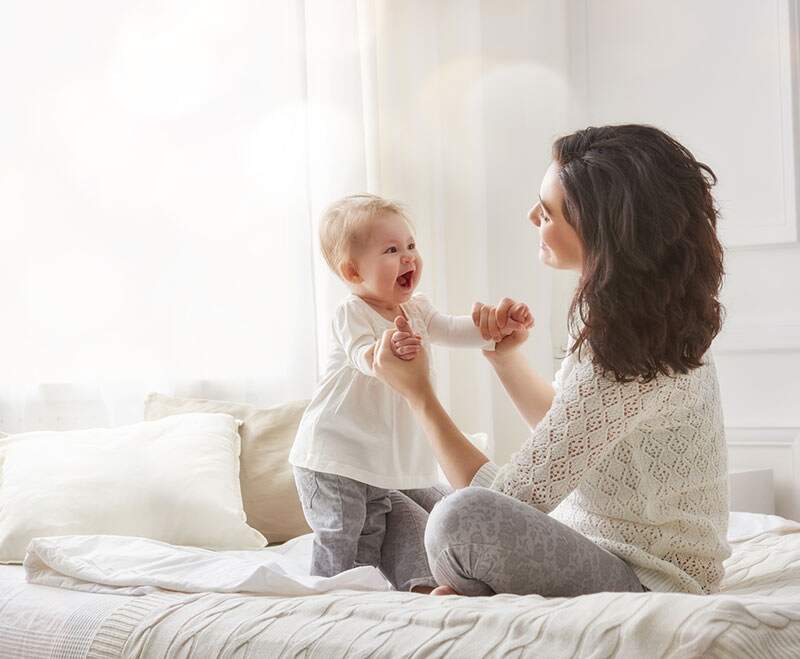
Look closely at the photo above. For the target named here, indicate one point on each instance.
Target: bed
(48, 494)
(756, 614)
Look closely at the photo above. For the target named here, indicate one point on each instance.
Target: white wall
(465, 98)
(471, 96)
(719, 76)
(714, 73)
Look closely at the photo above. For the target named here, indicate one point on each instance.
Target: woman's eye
(544, 217)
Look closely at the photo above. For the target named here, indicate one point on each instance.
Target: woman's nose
(533, 215)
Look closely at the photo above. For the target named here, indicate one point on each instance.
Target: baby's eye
(412, 246)
(391, 250)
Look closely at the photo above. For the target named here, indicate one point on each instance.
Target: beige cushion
(268, 491)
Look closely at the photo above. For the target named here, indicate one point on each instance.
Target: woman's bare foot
(443, 590)
(422, 590)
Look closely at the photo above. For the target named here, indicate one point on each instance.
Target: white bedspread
(137, 566)
(756, 614)
(49, 623)
(125, 565)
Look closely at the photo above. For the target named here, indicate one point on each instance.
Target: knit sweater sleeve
(590, 413)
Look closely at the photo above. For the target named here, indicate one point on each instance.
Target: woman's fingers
(503, 308)
(409, 377)
(483, 323)
(476, 314)
(488, 324)
(494, 330)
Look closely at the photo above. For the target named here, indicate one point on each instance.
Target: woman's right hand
(498, 323)
(409, 378)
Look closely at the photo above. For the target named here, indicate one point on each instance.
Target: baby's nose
(407, 259)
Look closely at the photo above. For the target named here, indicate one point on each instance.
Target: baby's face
(388, 262)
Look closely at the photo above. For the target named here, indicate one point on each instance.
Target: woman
(629, 436)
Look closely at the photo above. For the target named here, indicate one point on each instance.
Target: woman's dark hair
(647, 300)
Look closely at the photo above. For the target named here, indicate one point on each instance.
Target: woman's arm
(531, 394)
(457, 456)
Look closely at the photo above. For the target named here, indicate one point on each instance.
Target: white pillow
(174, 480)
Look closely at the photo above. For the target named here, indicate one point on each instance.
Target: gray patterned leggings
(481, 542)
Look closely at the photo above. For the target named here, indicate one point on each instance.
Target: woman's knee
(453, 514)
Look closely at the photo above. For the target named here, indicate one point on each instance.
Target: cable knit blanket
(757, 614)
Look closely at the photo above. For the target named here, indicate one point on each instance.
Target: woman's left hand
(409, 378)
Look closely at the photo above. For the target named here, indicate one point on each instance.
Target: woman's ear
(349, 273)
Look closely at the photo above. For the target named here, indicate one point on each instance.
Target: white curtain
(163, 165)
(157, 200)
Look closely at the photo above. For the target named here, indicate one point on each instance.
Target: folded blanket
(136, 566)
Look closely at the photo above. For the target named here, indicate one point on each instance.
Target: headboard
(777, 449)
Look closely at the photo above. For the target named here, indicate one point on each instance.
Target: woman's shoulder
(581, 372)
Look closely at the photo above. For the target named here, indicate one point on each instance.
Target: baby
(357, 439)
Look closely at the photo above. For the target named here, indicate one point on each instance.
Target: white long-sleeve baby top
(358, 427)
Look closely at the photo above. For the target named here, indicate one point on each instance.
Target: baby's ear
(349, 272)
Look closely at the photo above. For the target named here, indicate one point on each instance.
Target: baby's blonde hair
(344, 223)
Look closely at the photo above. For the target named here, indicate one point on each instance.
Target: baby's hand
(519, 317)
(405, 344)
(520, 314)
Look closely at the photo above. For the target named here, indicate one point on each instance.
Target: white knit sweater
(640, 469)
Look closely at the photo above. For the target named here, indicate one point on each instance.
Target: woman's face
(559, 244)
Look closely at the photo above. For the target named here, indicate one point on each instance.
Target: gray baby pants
(350, 524)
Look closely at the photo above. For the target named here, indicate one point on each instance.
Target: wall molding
(777, 449)
(762, 436)
(759, 336)
(781, 38)
(739, 235)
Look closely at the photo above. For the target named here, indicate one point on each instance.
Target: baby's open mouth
(405, 280)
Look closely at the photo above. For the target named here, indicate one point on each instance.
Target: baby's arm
(354, 333)
(462, 331)
(456, 332)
